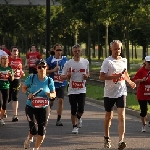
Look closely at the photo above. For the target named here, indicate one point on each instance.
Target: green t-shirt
(4, 77)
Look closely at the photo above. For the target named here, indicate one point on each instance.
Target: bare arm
(127, 78)
(26, 62)
(48, 71)
(103, 76)
(24, 88)
(51, 94)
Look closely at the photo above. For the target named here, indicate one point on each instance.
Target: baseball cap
(3, 53)
(41, 61)
(147, 58)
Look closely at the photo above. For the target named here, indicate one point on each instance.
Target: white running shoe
(2, 122)
(27, 143)
(75, 130)
(143, 128)
(79, 123)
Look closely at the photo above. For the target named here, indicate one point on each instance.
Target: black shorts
(32, 70)
(14, 90)
(38, 119)
(110, 102)
(60, 92)
(77, 102)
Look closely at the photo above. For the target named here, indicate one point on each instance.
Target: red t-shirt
(32, 58)
(143, 89)
(16, 65)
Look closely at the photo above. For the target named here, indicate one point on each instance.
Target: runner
(16, 64)
(1, 54)
(6, 74)
(55, 65)
(114, 73)
(37, 106)
(31, 59)
(76, 70)
(143, 91)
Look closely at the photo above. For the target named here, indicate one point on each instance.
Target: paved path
(90, 137)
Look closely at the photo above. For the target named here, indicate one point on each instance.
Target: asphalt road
(90, 137)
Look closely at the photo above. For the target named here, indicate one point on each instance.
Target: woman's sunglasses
(58, 49)
(40, 67)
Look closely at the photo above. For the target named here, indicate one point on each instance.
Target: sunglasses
(148, 61)
(58, 49)
(40, 67)
(76, 46)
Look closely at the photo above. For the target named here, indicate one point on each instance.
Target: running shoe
(79, 123)
(27, 143)
(5, 115)
(2, 122)
(143, 128)
(121, 145)
(15, 119)
(107, 142)
(59, 123)
(75, 130)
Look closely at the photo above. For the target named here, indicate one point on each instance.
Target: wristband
(27, 93)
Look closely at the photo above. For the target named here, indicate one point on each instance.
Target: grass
(97, 92)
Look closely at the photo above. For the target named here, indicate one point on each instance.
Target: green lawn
(97, 92)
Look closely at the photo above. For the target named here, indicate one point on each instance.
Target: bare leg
(60, 106)
(121, 123)
(15, 107)
(74, 119)
(107, 122)
(39, 141)
(143, 119)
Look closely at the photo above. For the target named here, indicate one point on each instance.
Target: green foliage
(73, 19)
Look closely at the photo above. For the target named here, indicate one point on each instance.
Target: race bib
(77, 85)
(57, 78)
(4, 75)
(147, 90)
(39, 102)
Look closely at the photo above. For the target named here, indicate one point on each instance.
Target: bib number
(147, 90)
(39, 102)
(77, 85)
(57, 78)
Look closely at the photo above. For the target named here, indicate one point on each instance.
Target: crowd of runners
(49, 78)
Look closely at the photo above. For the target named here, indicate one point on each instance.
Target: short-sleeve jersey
(16, 65)
(77, 69)
(143, 89)
(36, 85)
(51, 62)
(111, 67)
(32, 58)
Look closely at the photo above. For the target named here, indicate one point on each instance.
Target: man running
(76, 70)
(16, 64)
(31, 59)
(114, 73)
(55, 65)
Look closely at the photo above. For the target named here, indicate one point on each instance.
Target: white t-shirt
(114, 88)
(77, 68)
